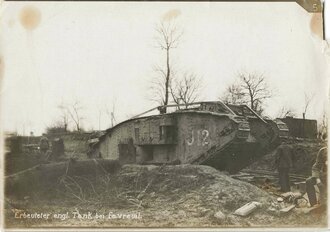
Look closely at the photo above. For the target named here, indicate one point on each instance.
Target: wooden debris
(247, 208)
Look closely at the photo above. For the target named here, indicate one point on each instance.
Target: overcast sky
(103, 53)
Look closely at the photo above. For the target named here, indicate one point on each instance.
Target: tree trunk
(167, 77)
(252, 103)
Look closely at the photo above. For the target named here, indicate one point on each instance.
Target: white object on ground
(220, 215)
(280, 199)
(247, 208)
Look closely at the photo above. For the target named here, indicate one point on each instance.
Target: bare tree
(111, 113)
(186, 90)
(72, 111)
(308, 100)
(234, 95)
(251, 89)
(100, 112)
(64, 117)
(75, 113)
(168, 35)
(158, 85)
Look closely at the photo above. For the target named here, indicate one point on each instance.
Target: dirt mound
(216, 190)
(162, 196)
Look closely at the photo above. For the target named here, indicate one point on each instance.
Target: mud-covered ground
(152, 196)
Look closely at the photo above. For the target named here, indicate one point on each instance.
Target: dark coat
(284, 156)
(44, 143)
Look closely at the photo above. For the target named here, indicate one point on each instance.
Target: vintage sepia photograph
(164, 114)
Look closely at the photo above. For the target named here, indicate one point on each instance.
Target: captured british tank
(227, 137)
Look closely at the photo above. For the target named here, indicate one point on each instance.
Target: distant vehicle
(227, 137)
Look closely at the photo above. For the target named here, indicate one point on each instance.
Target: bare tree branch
(168, 36)
(186, 90)
(111, 113)
(249, 89)
(74, 112)
(308, 100)
(64, 116)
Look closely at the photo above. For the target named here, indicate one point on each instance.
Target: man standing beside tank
(284, 162)
(43, 144)
(319, 178)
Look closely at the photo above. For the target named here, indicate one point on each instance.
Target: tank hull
(204, 135)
